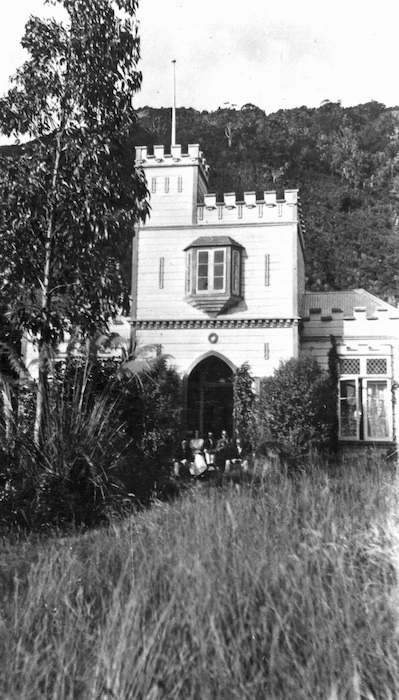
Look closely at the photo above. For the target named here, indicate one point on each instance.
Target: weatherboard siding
(238, 345)
(276, 299)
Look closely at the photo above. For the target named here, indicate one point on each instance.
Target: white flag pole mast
(173, 140)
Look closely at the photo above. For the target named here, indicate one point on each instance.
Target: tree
(71, 197)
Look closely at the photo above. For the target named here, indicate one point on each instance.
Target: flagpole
(173, 139)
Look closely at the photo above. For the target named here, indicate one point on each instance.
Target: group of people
(199, 455)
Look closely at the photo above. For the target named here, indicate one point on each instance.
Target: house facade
(220, 282)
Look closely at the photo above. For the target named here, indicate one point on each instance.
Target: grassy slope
(289, 590)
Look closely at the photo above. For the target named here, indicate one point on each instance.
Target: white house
(219, 283)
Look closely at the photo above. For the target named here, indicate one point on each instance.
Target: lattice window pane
(350, 365)
(377, 365)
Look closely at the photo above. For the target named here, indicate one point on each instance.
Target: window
(161, 272)
(236, 273)
(267, 270)
(213, 273)
(365, 402)
(188, 273)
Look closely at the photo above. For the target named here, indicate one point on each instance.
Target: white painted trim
(210, 353)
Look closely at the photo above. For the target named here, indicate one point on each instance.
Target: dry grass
(289, 590)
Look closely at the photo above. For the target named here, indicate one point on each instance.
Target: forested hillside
(345, 162)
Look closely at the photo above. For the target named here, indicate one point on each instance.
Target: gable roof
(329, 303)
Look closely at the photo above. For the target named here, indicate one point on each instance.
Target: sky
(276, 55)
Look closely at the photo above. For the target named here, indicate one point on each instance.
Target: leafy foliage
(71, 197)
(334, 373)
(297, 407)
(244, 404)
(153, 411)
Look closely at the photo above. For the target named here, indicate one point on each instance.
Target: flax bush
(73, 477)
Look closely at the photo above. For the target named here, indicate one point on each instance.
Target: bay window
(213, 273)
(365, 399)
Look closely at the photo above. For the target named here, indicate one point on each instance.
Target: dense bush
(297, 407)
(105, 444)
(153, 411)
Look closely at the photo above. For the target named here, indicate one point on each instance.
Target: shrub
(244, 406)
(297, 406)
(153, 411)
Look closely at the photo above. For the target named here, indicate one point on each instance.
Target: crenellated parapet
(249, 209)
(159, 157)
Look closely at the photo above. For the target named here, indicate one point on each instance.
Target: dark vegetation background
(344, 160)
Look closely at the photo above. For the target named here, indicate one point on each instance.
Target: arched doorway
(210, 396)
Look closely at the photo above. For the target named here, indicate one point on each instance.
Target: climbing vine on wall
(245, 404)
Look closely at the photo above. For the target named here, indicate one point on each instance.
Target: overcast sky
(273, 54)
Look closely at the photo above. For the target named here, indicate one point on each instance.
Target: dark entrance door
(210, 397)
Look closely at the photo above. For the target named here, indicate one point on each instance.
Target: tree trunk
(45, 335)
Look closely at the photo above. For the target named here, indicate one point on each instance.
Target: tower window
(267, 270)
(213, 273)
(161, 272)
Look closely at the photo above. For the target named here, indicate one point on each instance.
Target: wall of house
(356, 336)
(161, 271)
(262, 348)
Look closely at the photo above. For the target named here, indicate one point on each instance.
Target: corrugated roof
(329, 303)
(208, 241)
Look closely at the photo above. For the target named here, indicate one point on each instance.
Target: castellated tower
(177, 182)
(216, 283)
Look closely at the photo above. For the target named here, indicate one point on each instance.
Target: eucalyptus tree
(71, 195)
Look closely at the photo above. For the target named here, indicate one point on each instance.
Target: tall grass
(289, 590)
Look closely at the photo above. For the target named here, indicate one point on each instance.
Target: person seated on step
(237, 455)
(198, 465)
(210, 450)
(223, 446)
(182, 459)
